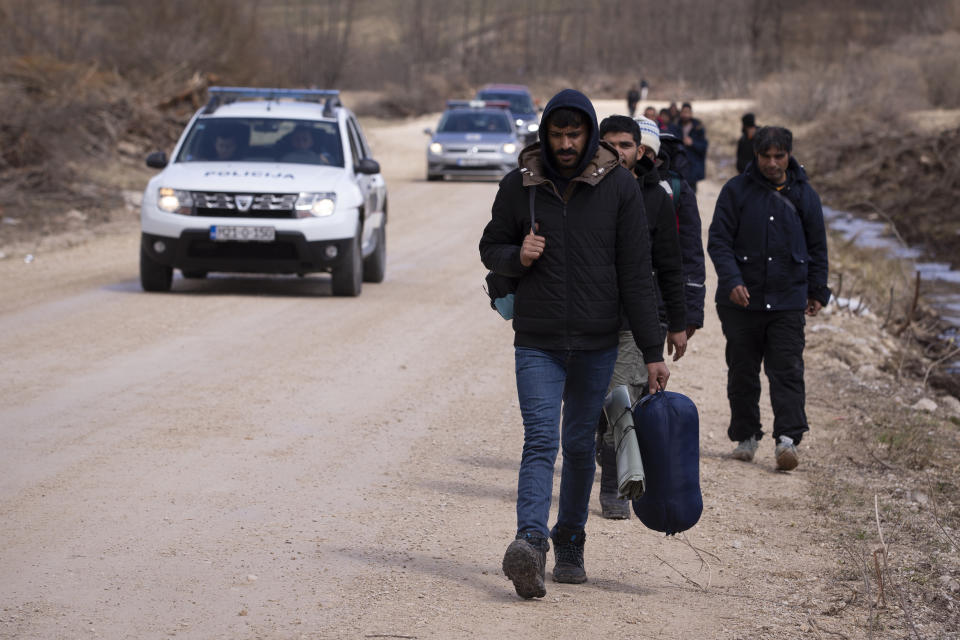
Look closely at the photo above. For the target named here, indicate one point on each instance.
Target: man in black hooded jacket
(768, 244)
(587, 257)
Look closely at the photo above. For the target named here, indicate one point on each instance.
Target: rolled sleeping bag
(668, 432)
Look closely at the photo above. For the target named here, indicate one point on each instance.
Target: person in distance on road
(637, 155)
(745, 144)
(768, 244)
(633, 97)
(674, 113)
(694, 137)
(587, 257)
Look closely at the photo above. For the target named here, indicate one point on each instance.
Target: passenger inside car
(225, 143)
(306, 145)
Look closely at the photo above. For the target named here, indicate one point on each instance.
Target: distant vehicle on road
(475, 138)
(525, 113)
(266, 181)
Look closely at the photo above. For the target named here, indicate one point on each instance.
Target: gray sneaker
(746, 450)
(786, 454)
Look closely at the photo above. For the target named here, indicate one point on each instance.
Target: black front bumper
(288, 253)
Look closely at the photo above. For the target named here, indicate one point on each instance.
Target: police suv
(266, 181)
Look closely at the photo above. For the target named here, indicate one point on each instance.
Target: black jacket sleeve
(634, 271)
(691, 249)
(503, 235)
(815, 233)
(723, 230)
(744, 153)
(665, 254)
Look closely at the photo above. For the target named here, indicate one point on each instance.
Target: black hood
(571, 99)
(646, 172)
(674, 153)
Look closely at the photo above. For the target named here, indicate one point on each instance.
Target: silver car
(474, 138)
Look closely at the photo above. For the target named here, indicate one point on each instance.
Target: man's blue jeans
(579, 380)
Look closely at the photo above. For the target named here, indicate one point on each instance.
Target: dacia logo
(243, 202)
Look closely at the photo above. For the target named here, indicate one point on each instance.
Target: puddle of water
(870, 234)
(941, 283)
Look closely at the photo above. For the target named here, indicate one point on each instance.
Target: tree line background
(98, 79)
(698, 47)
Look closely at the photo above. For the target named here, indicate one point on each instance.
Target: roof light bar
(478, 104)
(224, 95)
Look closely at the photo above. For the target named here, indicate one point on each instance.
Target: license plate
(471, 162)
(221, 233)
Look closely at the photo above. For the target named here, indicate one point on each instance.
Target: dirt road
(252, 458)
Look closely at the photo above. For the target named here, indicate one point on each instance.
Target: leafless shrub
(883, 88)
(938, 62)
(429, 95)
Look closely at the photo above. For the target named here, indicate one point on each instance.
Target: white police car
(266, 181)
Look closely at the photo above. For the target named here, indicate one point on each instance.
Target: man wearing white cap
(624, 135)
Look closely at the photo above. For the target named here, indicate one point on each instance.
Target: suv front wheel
(153, 275)
(348, 277)
(375, 265)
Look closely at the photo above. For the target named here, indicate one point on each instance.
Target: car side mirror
(368, 166)
(157, 160)
(428, 131)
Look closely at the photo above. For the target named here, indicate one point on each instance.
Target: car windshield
(519, 102)
(474, 122)
(263, 140)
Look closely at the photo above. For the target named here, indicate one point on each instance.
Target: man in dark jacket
(745, 144)
(587, 258)
(633, 96)
(768, 244)
(624, 134)
(694, 138)
(688, 220)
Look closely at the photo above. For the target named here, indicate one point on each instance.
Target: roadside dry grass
(887, 493)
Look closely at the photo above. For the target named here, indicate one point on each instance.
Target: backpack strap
(790, 205)
(533, 195)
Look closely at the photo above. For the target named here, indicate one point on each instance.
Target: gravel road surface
(249, 457)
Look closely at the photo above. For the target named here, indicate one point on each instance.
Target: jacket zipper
(566, 269)
(566, 281)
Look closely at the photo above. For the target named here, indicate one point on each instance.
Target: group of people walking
(610, 270)
(680, 123)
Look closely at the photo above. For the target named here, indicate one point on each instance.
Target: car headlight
(436, 147)
(509, 147)
(533, 126)
(318, 205)
(174, 201)
(519, 122)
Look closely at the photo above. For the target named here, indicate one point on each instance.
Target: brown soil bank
(905, 175)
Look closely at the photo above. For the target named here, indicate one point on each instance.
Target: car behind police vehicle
(525, 113)
(474, 138)
(266, 181)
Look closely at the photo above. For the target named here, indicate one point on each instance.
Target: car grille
(237, 205)
(451, 148)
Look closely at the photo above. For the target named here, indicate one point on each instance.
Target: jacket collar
(599, 167)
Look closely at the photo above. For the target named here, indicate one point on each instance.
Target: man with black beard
(625, 136)
(768, 244)
(586, 258)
